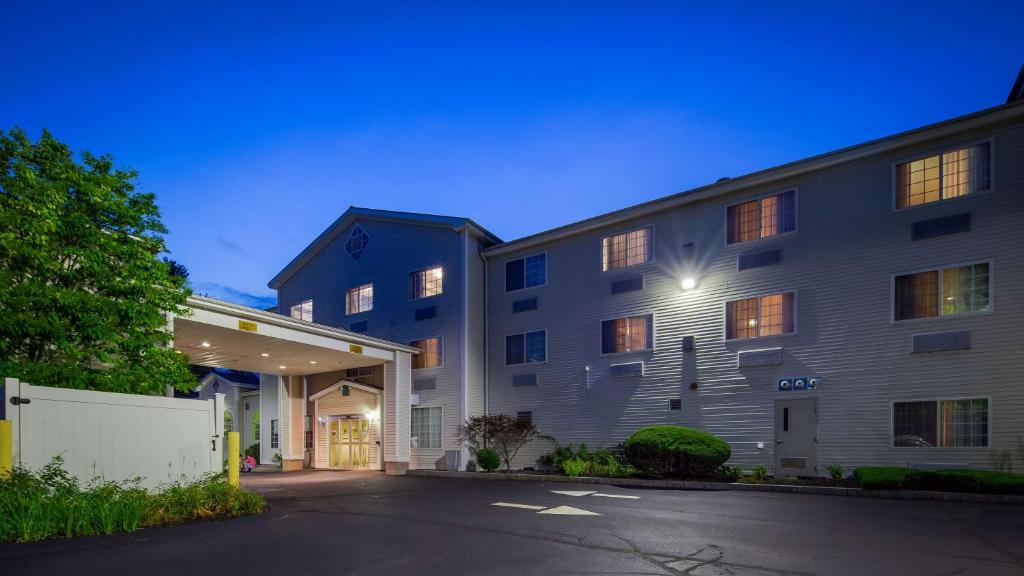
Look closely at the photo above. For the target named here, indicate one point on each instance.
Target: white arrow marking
(524, 506)
(568, 511)
(573, 492)
(615, 496)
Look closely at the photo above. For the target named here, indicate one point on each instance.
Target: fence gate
(115, 436)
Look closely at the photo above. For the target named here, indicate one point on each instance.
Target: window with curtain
(526, 272)
(627, 249)
(762, 218)
(359, 299)
(426, 427)
(951, 174)
(303, 311)
(526, 348)
(941, 423)
(630, 334)
(426, 283)
(430, 353)
(943, 292)
(760, 316)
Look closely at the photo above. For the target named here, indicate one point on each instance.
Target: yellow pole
(233, 458)
(6, 448)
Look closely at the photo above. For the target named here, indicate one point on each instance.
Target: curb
(723, 486)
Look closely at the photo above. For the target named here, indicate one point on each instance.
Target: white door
(796, 437)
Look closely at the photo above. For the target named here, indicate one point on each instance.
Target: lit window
(426, 428)
(359, 299)
(526, 272)
(526, 348)
(762, 218)
(357, 242)
(303, 311)
(761, 316)
(948, 175)
(430, 353)
(426, 283)
(940, 423)
(627, 334)
(942, 292)
(627, 249)
(274, 434)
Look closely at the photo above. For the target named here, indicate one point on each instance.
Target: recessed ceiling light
(282, 367)
(204, 344)
(312, 361)
(264, 354)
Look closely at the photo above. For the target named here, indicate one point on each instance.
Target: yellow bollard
(233, 455)
(6, 448)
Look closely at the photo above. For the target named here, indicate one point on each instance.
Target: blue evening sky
(258, 123)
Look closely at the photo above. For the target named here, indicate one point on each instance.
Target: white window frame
(358, 288)
(651, 244)
(654, 333)
(796, 315)
(433, 406)
(300, 304)
(523, 333)
(938, 152)
(413, 297)
(440, 340)
(796, 216)
(940, 315)
(275, 435)
(523, 258)
(938, 418)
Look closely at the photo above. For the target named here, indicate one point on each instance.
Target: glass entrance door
(348, 442)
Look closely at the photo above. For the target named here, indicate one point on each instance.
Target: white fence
(115, 436)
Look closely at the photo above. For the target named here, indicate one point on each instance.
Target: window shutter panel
(608, 336)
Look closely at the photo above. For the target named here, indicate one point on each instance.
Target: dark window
(526, 348)
(526, 272)
(785, 419)
(528, 416)
(524, 305)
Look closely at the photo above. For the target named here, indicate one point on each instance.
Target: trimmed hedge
(488, 459)
(978, 481)
(676, 452)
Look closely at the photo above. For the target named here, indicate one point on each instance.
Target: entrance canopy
(219, 334)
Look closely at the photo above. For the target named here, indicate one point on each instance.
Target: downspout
(487, 339)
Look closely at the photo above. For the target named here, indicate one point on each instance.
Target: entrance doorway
(796, 437)
(348, 442)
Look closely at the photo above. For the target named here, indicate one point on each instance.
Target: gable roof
(213, 377)
(1017, 92)
(977, 120)
(355, 213)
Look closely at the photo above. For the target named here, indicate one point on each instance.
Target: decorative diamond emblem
(357, 242)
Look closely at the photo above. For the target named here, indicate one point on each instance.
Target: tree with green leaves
(84, 298)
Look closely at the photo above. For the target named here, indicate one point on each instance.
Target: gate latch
(16, 400)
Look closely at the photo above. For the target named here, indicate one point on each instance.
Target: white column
(397, 405)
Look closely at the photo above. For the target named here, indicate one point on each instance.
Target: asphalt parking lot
(367, 523)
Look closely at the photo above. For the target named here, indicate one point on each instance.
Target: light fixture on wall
(264, 354)
(204, 344)
(689, 283)
(283, 367)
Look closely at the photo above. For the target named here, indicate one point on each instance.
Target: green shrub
(254, 451)
(676, 452)
(488, 459)
(835, 472)
(50, 503)
(981, 481)
(575, 467)
(726, 473)
(759, 473)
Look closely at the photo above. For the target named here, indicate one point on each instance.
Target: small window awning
(224, 335)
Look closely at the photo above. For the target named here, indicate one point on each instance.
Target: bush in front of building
(979, 481)
(50, 503)
(668, 451)
(488, 459)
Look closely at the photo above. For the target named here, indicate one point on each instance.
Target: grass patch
(51, 503)
(978, 481)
